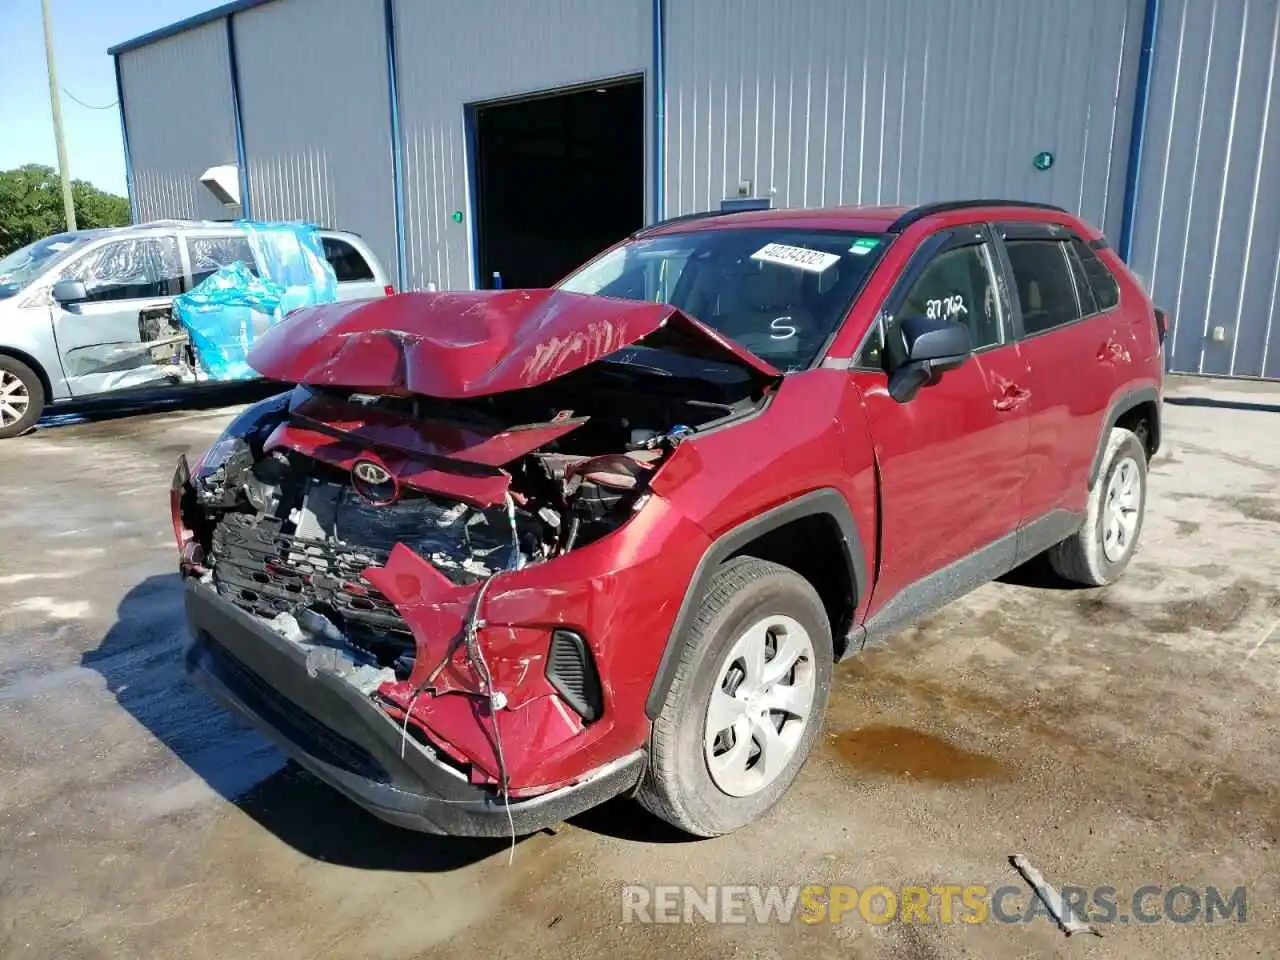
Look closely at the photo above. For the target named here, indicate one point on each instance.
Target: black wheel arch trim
(1118, 408)
(826, 501)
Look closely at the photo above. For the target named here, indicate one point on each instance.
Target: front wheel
(21, 397)
(1099, 552)
(746, 703)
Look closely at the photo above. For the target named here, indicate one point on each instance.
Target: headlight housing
(249, 430)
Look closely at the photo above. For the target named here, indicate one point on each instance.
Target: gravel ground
(1122, 737)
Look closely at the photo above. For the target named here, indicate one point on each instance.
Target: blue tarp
(231, 308)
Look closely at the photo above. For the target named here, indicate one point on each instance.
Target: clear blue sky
(82, 31)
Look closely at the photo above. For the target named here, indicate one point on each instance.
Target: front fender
(826, 502)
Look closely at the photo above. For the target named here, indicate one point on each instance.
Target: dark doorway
(558, 178)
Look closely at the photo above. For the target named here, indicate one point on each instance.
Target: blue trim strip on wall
(659, 109)
(242, 160)
(1138, 132)
(124, 139)
(397, 159)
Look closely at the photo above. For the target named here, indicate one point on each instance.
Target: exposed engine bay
(286, 515)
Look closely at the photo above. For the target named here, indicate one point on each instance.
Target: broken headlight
(248, 431)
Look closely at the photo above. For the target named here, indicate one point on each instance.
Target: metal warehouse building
(468, 139)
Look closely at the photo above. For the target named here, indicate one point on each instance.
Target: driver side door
(100, 339)
(952, 459)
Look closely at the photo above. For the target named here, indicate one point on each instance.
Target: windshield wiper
(634, 365)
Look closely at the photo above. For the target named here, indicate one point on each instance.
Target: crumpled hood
(470, 344)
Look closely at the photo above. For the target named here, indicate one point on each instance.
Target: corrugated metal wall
(1207, 234)
(452, 54)
(862, 101)
(315, 109)
(177, 97)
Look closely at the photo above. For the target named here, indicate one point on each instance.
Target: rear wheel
(1099, 552)
(746, 703)
(21, 397)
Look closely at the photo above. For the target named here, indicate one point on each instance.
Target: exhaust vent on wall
(223, 182)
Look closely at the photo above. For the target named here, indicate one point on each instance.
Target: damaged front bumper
(326, 724)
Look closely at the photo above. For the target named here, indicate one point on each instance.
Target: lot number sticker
(813, 261)
(946, 308)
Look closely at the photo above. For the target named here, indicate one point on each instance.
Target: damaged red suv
(499, 556)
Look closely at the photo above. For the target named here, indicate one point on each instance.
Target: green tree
(31, 206)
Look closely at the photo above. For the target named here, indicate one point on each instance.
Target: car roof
(872, 219)
(175, 224)
(91, 233)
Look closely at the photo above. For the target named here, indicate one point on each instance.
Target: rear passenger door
(1074, 349)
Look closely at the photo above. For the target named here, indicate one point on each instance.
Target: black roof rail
(916, 214)
(701, 215)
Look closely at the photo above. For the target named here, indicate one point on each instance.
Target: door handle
(1011, 397)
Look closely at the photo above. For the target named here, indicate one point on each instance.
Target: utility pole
(55, 102)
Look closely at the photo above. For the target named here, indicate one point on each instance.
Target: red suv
(502, 555)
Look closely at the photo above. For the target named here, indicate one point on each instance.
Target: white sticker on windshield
(813, 261)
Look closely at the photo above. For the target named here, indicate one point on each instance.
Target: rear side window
(1103, 286)
(1046, 290)
(210, 254)
(348, 265)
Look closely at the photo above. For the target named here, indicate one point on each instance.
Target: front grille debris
(267, 572)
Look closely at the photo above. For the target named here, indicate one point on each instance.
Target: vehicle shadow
(1247, 405)
(141, 660)
(622, 818)
(1038, 573)
(135, 403)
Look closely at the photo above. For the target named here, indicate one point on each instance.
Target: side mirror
(69, 291)
(929, 348)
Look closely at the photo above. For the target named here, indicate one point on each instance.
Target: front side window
(959, 286)
(780, 293)
(211, 254)
(138, 269)
(1046, 290)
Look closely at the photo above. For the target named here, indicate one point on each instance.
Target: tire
(709, 785)
(1099, 552)
(18, 382)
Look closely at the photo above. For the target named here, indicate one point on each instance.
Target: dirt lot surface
(1122, 737)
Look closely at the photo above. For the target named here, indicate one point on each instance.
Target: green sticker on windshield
(863, 245)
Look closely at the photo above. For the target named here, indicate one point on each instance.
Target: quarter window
(348, 265)
(1103, 286)
(139, 269)
(1046, 290)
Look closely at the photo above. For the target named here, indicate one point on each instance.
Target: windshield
(26, 263)
(779, 292)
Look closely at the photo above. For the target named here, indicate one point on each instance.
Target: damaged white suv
(89, 312)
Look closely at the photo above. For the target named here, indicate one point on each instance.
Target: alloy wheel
(15, 399)
(1120, 508)
(760, 705)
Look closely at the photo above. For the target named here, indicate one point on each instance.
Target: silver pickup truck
(88, 313)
